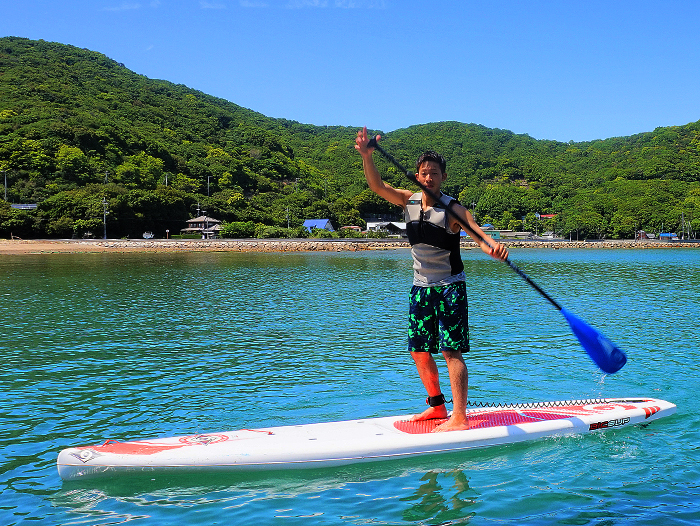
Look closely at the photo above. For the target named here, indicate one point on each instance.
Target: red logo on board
(651, 411)
(203, 440)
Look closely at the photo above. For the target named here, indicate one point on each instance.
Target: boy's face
(430, 175)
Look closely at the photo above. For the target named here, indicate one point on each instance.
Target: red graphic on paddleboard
(115, 447)
(146, 448)
(509, 417)
(482, 420)
(203, 440)
(612, 407)
(651, 411)
(133, 448)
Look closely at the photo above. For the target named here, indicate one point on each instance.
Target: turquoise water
(127, 346)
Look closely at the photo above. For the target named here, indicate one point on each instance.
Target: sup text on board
(609, 423)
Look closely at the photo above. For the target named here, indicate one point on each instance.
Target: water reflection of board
(352, 441)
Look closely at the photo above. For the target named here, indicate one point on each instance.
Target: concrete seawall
(291, 245)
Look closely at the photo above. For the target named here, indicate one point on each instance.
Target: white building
(207, 226)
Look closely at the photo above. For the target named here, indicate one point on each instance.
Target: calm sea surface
(128, 346)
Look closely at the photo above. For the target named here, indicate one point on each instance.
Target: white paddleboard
(338, 443)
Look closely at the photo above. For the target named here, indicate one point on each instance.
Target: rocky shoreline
(44, 246)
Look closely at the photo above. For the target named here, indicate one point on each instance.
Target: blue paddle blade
(602, 351)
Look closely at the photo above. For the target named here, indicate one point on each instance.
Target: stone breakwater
(601, 244)
(322, 245)
(250, 245)
(291, 245)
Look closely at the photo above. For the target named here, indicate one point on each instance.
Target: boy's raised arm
(397, 196)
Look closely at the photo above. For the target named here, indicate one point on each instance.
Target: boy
(438, 319)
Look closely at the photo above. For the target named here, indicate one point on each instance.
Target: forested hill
(79, 131)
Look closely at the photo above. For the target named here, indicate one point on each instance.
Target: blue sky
(559, 70)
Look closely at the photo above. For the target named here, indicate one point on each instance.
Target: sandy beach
(82, 246)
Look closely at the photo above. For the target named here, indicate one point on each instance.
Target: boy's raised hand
(362, 142)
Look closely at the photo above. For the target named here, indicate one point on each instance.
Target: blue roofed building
(322, 224)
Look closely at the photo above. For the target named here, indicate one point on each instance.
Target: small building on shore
(206, 226)
(394, 228)
(496, 233)
(321, 224)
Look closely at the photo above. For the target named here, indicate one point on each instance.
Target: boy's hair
(431, 156)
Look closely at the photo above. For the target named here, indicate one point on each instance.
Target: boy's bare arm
(397, 196)
(490, 246)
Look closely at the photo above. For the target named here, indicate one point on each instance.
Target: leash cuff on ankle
(434, 401)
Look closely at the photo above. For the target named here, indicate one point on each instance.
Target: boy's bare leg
(459, 382)
(428, 372)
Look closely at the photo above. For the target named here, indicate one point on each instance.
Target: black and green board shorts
(438, 318)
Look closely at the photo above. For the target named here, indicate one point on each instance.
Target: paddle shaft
(474, 235)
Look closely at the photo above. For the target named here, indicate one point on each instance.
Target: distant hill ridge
(78, 130)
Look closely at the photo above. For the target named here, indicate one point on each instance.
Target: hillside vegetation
(81, 134)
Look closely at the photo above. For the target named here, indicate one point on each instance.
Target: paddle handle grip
(374, 144)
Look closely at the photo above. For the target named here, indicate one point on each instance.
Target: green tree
(238, 229)
(623, 226)
(73, 163)
(140, 171)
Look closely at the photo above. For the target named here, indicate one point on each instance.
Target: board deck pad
(331, 444)
(418, 427)
(504, 417)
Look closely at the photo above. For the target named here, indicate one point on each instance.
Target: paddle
(601, 350)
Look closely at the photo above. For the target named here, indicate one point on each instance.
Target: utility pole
(205, 234)
(104, 218)
(682, 225)
(201, 211)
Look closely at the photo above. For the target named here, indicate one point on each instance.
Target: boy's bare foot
(439, 411)
(453, 424)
